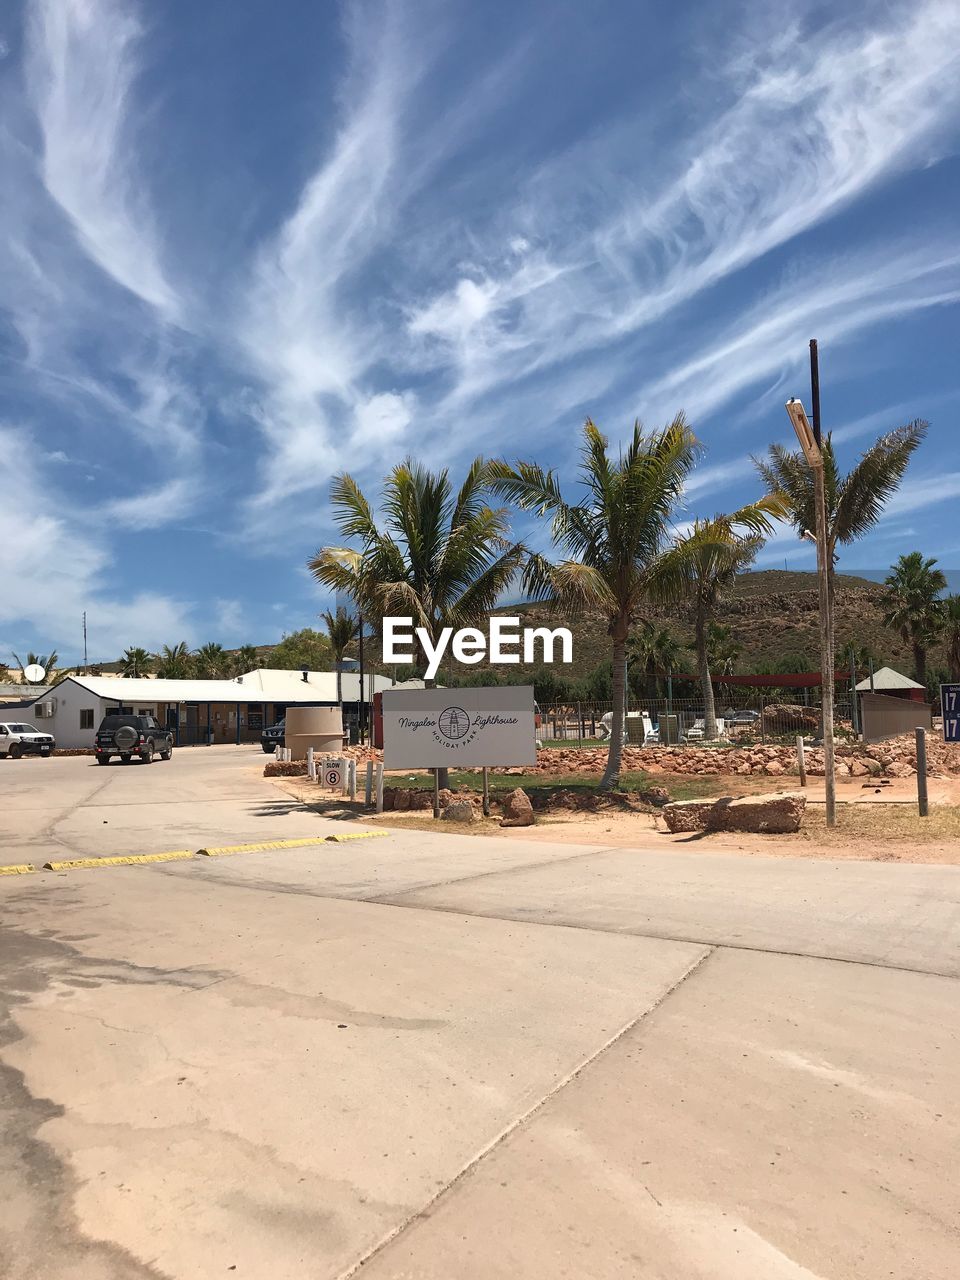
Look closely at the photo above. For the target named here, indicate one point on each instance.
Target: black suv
(272, 737)
(129, 736)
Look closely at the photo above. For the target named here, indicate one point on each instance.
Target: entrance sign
(458, 728)
(950, 710)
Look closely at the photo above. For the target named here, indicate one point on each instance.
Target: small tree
(913, 605)
(174, 662)
(136, 662)
(47, 661)
(342, 629)
(652, 652)
(702, 565)
(210, 661)
(305, 648)
(245, 659)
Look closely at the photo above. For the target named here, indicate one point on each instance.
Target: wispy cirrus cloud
(82, 62)
(805, 132)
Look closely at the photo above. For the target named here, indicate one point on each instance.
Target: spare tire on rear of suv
(126, 737)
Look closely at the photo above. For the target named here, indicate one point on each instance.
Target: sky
(244, 246)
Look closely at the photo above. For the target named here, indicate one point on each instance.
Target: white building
(199, 711)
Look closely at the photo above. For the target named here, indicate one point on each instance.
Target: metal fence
(744, 720)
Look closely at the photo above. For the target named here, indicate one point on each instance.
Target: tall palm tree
(175, 662)
(612, 539)
(342, 629)
(442, 556)
(855, 501)
(702, 564)
(47, 661)
(135, 662)
(951, 618)
(913, 605)
(210, 661)
(655, 651)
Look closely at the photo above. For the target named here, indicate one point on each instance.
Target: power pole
(84, 642)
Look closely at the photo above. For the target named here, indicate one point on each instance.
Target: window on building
(86, 718)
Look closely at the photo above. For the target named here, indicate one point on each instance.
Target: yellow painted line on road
(126, 860)
(17, 869)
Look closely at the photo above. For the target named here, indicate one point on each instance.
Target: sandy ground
(878, 823)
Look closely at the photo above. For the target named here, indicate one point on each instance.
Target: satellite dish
(34, 673)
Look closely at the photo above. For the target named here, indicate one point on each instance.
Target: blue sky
(244, 245)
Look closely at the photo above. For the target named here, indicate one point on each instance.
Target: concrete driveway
(441, 1056)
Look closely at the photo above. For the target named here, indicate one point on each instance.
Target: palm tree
(951, 617)
(175, 662)
(47, 661)
(913, 605)
(655, 651)
(702, 564)
(342, 629)
(210, 661)
(135, 662)
(613, 539)
(442, 556)
(855, 501)
(245, 659)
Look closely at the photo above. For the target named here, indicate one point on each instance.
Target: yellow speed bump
(260, 845)
(132, 859)
(17, 869)
(357, 835)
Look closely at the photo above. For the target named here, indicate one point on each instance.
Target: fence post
(801, 761)
(486, 792)
(579, 725)
(436, 793)
(311, 766)
(353, 778)
(368, 790)
(922, 772)
(379, 788)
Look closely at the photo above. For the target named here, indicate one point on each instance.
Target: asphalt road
(440, 1056)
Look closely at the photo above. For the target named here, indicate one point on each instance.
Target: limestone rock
(775, 814)
(459, 811)
(517, 810)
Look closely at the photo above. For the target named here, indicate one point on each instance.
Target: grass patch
(884, 823)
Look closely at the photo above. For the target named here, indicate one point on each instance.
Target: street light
(814, 457)
(802, 427)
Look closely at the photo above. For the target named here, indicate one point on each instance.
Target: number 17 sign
(950, 707)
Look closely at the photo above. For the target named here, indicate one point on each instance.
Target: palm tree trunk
(920, 663)
(706, 684)
(611, 774)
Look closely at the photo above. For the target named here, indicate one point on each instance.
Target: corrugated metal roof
(887, 678)
(264, 685)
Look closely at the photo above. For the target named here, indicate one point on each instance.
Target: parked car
(272, 737)
(129, 736)
(744, 717)
(18, 739)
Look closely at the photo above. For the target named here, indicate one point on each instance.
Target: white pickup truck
(18, 740)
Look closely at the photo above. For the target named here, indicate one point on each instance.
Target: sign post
(950, 710)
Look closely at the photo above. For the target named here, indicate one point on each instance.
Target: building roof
(886, 679)
(262, 685)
